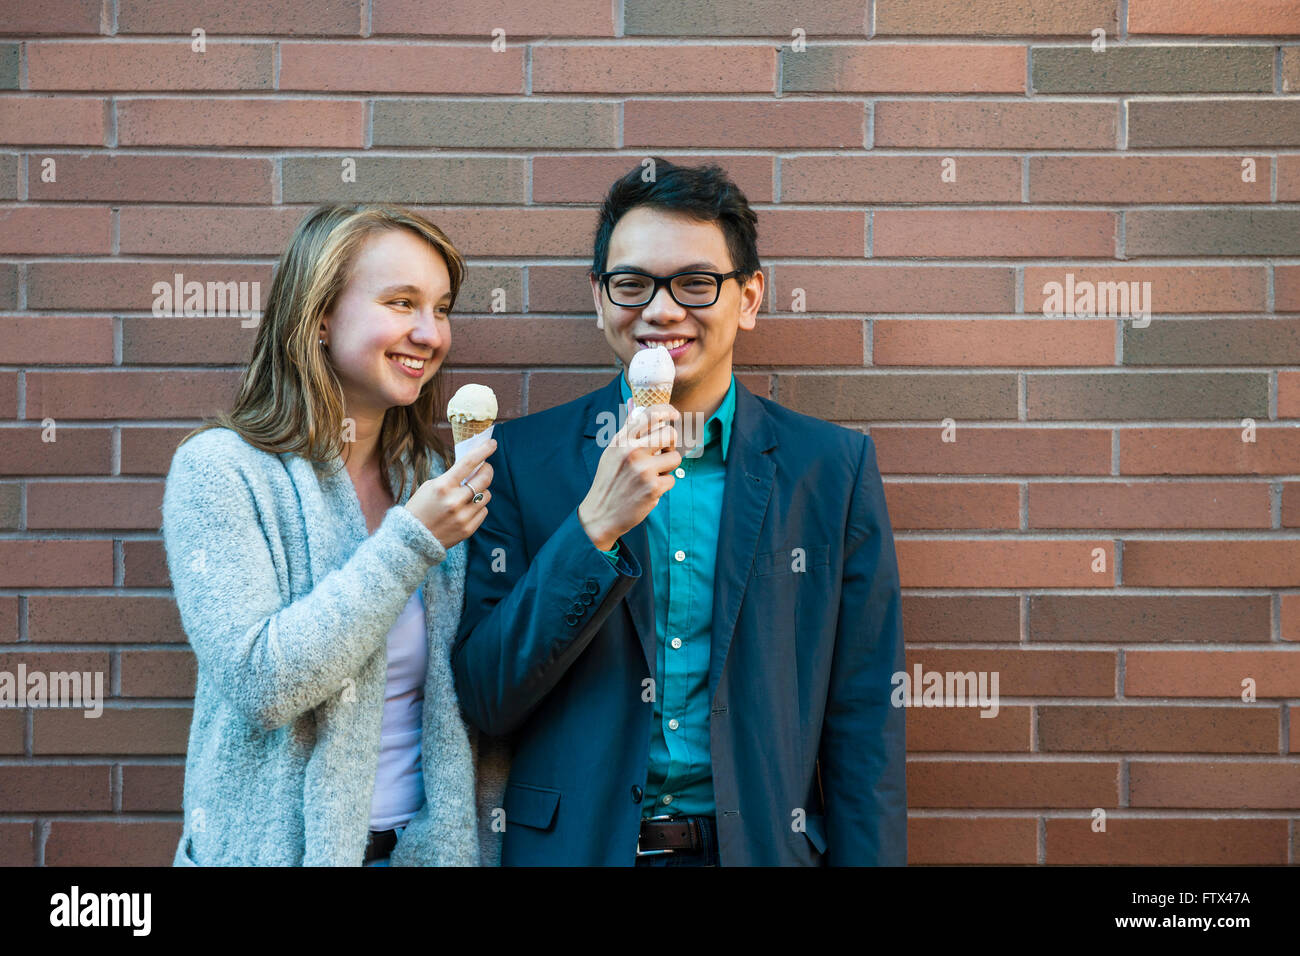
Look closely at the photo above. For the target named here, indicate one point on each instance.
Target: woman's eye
(406, 302)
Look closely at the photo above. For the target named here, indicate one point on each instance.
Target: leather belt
(379, 844)
(669, 834)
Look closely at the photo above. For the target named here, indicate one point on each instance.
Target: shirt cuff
(612, 554)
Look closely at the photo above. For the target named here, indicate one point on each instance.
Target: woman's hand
(446, 507)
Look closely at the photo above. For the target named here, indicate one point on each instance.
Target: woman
(314, 536)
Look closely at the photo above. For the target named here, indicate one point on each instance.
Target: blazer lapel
(640, 598)
(747, 490)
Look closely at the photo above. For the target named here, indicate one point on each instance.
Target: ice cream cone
(645, 397)
(469, 428)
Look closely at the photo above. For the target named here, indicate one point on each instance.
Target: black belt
(379, 844)
(670, 834)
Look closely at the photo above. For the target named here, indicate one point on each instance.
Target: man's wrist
(601, 542)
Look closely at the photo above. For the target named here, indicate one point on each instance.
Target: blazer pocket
(530, 806)
(785, 560)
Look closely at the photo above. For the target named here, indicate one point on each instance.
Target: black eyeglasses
(691, 290)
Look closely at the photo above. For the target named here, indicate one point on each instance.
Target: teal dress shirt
(682, 532)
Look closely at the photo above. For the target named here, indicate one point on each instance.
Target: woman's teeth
(417, 364)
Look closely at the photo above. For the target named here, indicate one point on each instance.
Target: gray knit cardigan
(287, 600)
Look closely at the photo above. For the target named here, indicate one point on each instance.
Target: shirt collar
(724, 416)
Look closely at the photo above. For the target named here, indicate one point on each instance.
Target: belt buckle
(640, 852)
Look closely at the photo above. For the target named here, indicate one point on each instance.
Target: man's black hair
(705, 193)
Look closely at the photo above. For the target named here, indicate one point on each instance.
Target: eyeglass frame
(661, 281)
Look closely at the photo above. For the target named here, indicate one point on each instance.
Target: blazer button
(576, 608)
(571, 620)
(588, 600)
(637, 793)
(591, 586)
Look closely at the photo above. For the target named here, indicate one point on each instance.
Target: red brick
(144, 565)
(96, 505)
(744, 123)
(111, 843)
(1235, 785)
(16, 842)
(154, 178)
(152, 788)
(519, 231)
(811, 232)
(53, 120)
(201, 121)
(1010, 342)
(1028, 672)
(1054, 784)
(1145, 841)
(1207, 673)
(118, 730)
(160, 673)
(947, 505)
(964, 729)
(53, 564)
(1201, 17)
(12, 727)
(586, 179)
(1173, 288)
(1141, 728)
(895, 288)
(1288, 173)
(1146, 179)
(1037, 234)
(315, 17)
(124, 394)
(1149, 505)
(990, 841)
(148, 450)
(87, 619)
(170, 65)
(992, 451)
(1286, 288)
(401, 68)
(56, 230)
(55, 789)
(996, 125)
(52, 16)
(120, 284)
(547, 389)
(478, 18)
(61, 340)
(904, 68)
(207, 230)
(216, 341)
(8, 619)
(1212, 564)
(964, 617)
(1208, 451)
(999, 563)
(898, 179)
(1291, 619)
(633, 69)
(74, 451)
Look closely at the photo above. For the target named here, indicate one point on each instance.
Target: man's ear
(596, 298)
(751, 299)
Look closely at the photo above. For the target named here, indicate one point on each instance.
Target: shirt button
(676, 642)
(680, 556)
(672, 724)
(680, 472)
(666, 798)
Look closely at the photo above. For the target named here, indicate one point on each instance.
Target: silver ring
(478, 495)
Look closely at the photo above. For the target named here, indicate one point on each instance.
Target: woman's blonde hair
(290, 400)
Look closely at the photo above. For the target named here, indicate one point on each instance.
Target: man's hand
(634, 471)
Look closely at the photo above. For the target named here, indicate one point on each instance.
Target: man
(690, 645)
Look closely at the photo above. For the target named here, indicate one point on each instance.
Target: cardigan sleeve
(271, 659)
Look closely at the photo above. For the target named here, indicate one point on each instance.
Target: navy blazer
(557, 646)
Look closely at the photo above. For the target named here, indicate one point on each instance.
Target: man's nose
(662, 306)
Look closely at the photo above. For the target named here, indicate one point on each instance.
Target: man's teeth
(417, 364)
(669, 344)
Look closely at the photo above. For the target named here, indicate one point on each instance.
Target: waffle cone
(645, 397)
(468, 429)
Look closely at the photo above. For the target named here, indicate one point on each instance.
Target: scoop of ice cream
(650, 367)
(472, 403)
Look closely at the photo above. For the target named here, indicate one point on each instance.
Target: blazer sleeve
(524, 622)
(273, 659)
(863, 744)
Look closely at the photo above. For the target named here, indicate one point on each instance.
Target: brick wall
(1098, 534)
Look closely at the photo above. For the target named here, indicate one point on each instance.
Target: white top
(399, 783)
